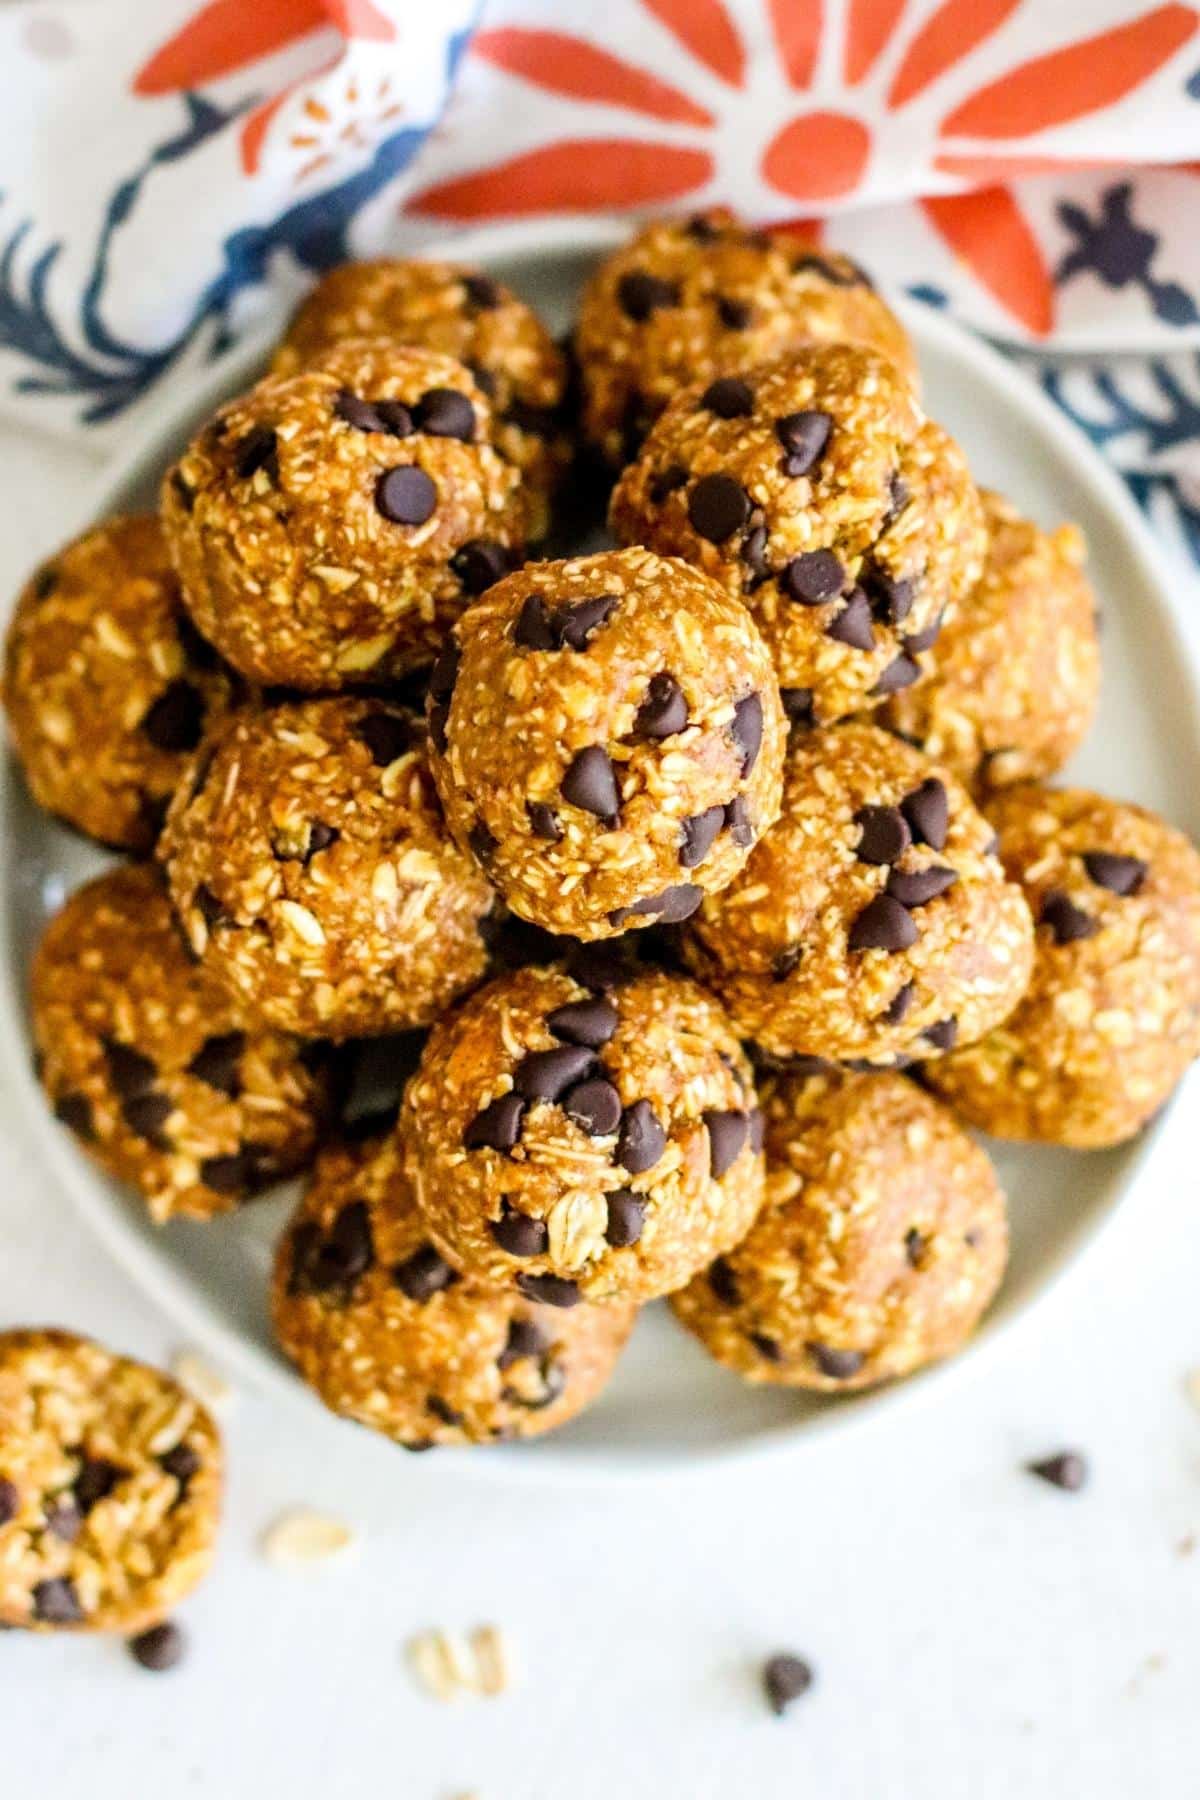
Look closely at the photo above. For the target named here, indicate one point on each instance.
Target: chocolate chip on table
(698, 835)
(804, 436)
(667, 481)
(160, 1648)
(900, 673)
(547, 1074)
(525, 1338)
(128, 1070)
(642, 1139)
(405, 495)
(1122, 875)
(1069, 923)
(898, 1006)
(916, 887)
(747, 730)
(787, 960)
(641, 294)
(663, 712)
(594, 1105)
(544, 822)
(852, 625)
(717, 507)
(518, 1234)
(943, 1035)
(813, 577)
(259, 449)
(785, 1678)
(482, 291)
(589, 1022)
(497, 1126)
(927, 810)
(626, 1217)
(729, 397)
(723, 1282)
(423, 1274)
(217, 1062)
(883, 924)
(672, 906)
(839, 1365)
(590, 783)
(1067, 1470)
(10, 1500)
(734, 314)
(738, 822)
(387, 735)
(445, 412)
(479, 564)
(885, 834)
(798, 706)
(175, 721)
(575, 624)
(75, 1112)
(55, 1602)
(550, 1290)
(727, 1134)
(146, 1114)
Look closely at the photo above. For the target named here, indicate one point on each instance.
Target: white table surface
(975, 1632)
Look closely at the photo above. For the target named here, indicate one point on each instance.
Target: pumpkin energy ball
(691, 298)
(110, 1487)
(387, 1333)
(311, 868)
(874, 923)
(107, 684)
(815, 489)
(328, 527)
(1111, 1019)
(152, 1066)
(882, 1239)
(1016, 672)
(577, 1134)
(461, 313)
(607, 740)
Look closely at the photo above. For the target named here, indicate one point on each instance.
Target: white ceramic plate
(669, 1406)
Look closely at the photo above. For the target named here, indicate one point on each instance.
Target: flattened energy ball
(816, 490)
(576, 1139)
(874, 923)
(1016, 672)
(607, 740)
(461, 313)
(330, 526)
(1112, 1016)
(308, 860)
(152, 1066)
(691, 298)
(110, 1487)
(388, 1334)
(882, 1240)
(107, 685)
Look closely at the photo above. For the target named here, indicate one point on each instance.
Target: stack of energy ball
(682, 852)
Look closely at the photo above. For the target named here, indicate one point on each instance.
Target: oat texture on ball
(607, 739)
(110, 1487)
(310, 865)
(1111, 1018)
(874, 923)
(881, 1242)
(815, 489)
(107, 684)
(328, 527)
(152, 1065)
(1016, 672)
(458, 312)
(387, 1333)
(584, 1132)
(687, 299)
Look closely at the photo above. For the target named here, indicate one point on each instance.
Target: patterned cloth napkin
(177, 172)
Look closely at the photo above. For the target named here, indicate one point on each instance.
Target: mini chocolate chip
(798, 706)
(787, 960)
(10, 1500)
(497, 1126)
(482, 292)
(547, 1074)
(642, 1139)
(723, 1282)
(914, 1247)
(544, 822)
(146, 1114)
(927, 810)
(916, 887)
(1067, 1470)
(525, 1338)
(591, 784)
(480, 564)
(575, 624)
(230, 1174)
(320, 837)
(444, 672)
(217, 1062)
(767, 1347)
(160, 1648)
(828, 271)
(900, 673)
(921, 641)
(785, 1678)
(698, 835)
(626, 1217)
(348, 1250)
(943, 1035)
(387, 735)
(423, 1274)
(702, 229)
(839, 1365)
(75, 1112)
(667, 481)
(891, 596)
(717, 507)
(813, 577)
(55, 1602)
(44, 583)
(738, 822)
(735, 315)
(1122, 875)
(63, 1518)
(747, 730)
(727, 1133)
(128, 1070)
(754, 553)
(885, 834)
(804, 436)
(664, 710)
(898, 1006)
(95, 1481)
(641, 293)
(482, 841)
(444, 412)
(175, 721)
(181, 1462)
(899, 495)
(259, 449)
(534, 629)
(442, 1410)
(672, 906)
(883, 924)
(1069, 923)
(852, 625)
(729, 397)
(588, 1022)
(353, 410)
(405, 495)
(549, 1290)
(594, 1105)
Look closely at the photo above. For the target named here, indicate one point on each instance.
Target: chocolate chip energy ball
(815, 489)
(310, 866)
(874, 923)
(461, 313)
(1111, 1019)
(579, 1135)
(607, 739)
(387, 1333)
(152, 1066)
(328, 527)
(882, 1240)
(110, 1487)
(1016, 672)
(107, 684)
(689, 299)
